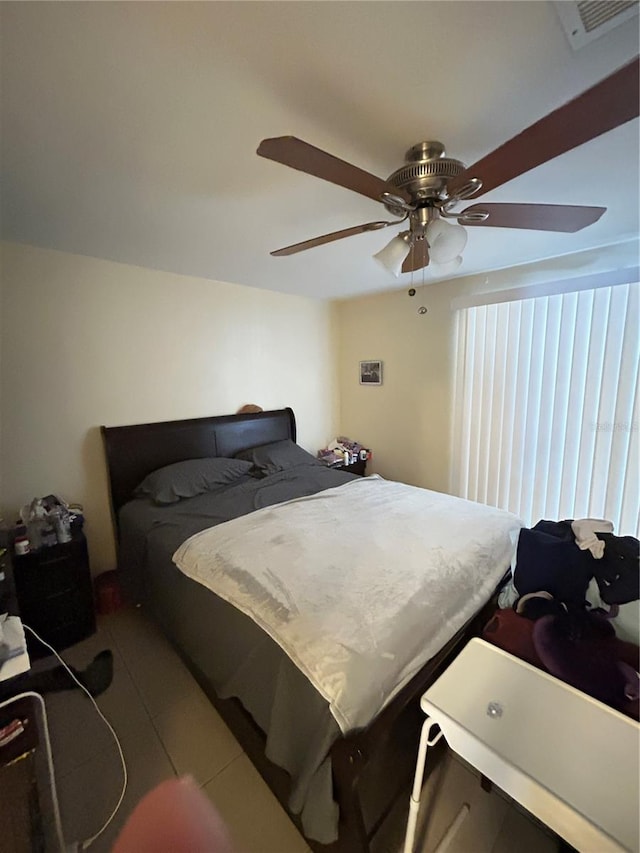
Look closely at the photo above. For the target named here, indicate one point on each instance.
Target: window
(546, 405)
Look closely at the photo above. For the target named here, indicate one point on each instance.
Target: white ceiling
(129, 130)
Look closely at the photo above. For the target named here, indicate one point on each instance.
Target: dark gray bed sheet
(232, 652)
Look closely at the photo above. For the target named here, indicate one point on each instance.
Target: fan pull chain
(422, 309)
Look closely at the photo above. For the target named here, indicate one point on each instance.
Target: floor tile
(156, 669)
(255, 819)
(89, 793)
(162, 681)
(452, 785)
(520, 832)
(81, 654)
(78, 733)
(480, 828)
(133, 632)
(122, 703)
(390, 836)
(196, 738)
(441, 800)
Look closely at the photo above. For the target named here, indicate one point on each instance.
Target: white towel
(585, 530)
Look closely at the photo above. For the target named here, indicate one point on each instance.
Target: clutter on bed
(569, 580)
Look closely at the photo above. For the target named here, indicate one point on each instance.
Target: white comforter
(360, 584)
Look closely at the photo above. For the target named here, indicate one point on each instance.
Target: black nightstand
(359, 467)
(55, 594)
(8, 602)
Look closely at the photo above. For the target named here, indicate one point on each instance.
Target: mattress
(360, 584)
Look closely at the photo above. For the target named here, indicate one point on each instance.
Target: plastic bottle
(34, 532)
(61, 523)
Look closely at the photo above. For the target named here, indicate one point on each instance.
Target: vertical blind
(546, 406)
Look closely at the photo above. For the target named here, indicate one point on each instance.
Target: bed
(319, 729)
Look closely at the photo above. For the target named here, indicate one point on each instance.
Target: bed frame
(132, 452)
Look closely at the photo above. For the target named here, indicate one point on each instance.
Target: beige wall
(404, 421)
(407, 420)
(85, 342)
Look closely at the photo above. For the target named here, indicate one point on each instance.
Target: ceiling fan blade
(601, 108)
(329, 238)
(293, 152)
(417, 258)
(537, 217)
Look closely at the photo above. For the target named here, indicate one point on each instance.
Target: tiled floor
(167, 727)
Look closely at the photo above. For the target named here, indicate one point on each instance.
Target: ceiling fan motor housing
(425, 173)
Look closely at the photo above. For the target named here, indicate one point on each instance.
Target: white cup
(21, 546)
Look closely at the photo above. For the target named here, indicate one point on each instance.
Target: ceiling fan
(425, 191)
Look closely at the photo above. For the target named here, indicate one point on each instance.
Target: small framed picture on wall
(371, 373)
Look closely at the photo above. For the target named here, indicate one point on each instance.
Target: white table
(570, 760)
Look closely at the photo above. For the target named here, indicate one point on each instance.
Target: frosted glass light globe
(394, 254)
(446, 241)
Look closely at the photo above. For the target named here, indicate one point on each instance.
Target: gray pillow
(277, 456)
(189, 478)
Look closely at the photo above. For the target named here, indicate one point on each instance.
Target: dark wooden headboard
(134, 451)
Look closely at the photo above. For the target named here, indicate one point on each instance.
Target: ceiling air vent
(586, 20)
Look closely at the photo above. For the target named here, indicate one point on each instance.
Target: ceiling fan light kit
(395, 253)
(429, 186)
(446, 241)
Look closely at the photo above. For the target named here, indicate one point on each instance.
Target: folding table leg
(414, 801)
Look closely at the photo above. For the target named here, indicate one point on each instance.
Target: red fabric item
(628, 653)
(514, 634)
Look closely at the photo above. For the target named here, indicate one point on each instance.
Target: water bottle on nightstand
(61, 524)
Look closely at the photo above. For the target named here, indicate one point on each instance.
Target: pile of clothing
(569, 580)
